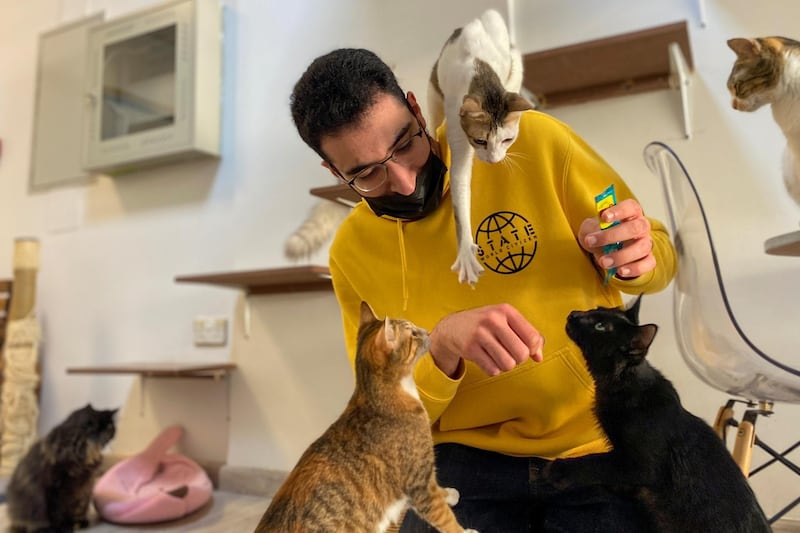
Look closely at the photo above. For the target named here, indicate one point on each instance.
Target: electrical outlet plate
(210, 331)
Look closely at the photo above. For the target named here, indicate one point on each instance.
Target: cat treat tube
(603, 201)
(20, 404)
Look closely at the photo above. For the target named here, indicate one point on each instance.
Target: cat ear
(744, 47)
(367, 314)
(641, 343)
(632, 312)
(471, 106)
(516, 102)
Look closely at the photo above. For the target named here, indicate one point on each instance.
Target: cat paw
(467, 265)
(557, 474)
(470, 531)
(452, 496)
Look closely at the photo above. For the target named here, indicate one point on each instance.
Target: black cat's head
(611, 339)
(98, 425)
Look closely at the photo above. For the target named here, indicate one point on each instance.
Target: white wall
(106, 290)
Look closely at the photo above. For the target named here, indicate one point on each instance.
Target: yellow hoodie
(526, 216)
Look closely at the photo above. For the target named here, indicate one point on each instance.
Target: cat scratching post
(20, 405)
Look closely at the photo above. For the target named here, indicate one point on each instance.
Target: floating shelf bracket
(701, 7)
(679, 79)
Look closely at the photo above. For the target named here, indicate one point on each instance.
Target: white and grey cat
(767, 71)
(316, 229)
(475, 86)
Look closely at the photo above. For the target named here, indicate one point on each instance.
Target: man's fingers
(526, 333)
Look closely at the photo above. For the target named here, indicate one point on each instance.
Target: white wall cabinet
(153, 84)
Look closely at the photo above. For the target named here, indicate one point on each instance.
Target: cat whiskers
(512, 160)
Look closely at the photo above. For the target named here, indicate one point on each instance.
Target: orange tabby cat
(376, 459)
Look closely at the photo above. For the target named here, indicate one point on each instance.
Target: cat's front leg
(791, 174)
(452, 499)
(466, 264)
(432, 503)
(452, 496)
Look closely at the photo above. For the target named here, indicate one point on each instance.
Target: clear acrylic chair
(710, 339)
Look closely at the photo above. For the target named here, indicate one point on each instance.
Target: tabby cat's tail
(321, 223)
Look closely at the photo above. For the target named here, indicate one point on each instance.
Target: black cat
(51, 487)
(669, 459)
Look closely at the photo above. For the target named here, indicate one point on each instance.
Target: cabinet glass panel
(139, 84)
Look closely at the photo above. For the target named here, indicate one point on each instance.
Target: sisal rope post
(20, 402)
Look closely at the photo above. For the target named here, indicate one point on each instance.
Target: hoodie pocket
(547, 395)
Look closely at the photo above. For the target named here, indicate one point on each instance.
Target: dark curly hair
(337, 90)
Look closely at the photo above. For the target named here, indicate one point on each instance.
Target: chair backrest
(709, 337)
(5, 300)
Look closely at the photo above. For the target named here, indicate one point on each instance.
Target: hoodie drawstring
(403, 264)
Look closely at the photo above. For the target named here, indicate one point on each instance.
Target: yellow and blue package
(603, 201)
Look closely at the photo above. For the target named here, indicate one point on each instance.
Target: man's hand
(496, 338)
(636, 255)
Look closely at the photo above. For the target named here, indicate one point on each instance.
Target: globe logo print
(506, 242)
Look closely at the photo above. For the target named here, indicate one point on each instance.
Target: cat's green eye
(601, 326)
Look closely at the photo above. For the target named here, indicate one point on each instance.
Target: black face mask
(420, 203)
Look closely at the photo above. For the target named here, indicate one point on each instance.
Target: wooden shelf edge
(160, 369)
(602, 68)
(340, 193)
(268, 281)
(787, 244)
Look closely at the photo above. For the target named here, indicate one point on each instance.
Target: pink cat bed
(153, 486)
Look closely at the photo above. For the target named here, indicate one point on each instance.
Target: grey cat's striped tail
(319, 226)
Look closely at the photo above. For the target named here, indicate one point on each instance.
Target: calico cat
(321, 223)
(669, 459)
(767, 71)
(51, 487)
(475, 85)
(377, 457)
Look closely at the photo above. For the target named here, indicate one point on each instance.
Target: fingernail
(591, 240)
(608, 216)
(624, 272)
(606, 262)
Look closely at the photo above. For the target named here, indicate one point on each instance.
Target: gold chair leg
(743, 447)
(724, 416)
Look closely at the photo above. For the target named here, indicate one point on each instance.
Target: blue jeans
(505, 494)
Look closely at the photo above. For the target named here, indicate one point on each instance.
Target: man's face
(387, 125)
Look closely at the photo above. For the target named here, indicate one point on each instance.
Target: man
(501, 403)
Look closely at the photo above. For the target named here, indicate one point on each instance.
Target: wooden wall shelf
(614, 66)
(160, 369)
(339, 193)
(268, 281)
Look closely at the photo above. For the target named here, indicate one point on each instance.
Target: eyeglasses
(372, 177)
